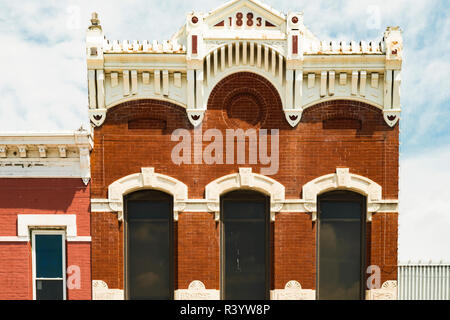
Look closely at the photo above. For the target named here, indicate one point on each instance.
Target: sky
(43, 83)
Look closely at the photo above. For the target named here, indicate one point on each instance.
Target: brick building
(242, 159)
(300, 204)
(44, 208)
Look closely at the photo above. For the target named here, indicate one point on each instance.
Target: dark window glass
(48, 256)
(245, 246)
(245, 210)
(49, 266)
(141, 210)
(49, 290)
(340, 246)
(149, 246)
(340, 210)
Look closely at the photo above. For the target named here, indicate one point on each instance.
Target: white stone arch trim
(146, 97)
(221, 75)
(358, 99)
(147, 179)
(98, 116)
(211, 82)
(248, 44)
(390, 116)
(342, 180)
(246, 180)
(264, 60)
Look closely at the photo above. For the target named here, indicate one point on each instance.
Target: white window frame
(61, 232)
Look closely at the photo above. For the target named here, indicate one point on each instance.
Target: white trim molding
(197, 291)
(245, 179)
(100, 291)
(147, 179)
(26, 239)
(80, 239)
(63, 277)
(46, 155)
(293, 291)
(343, 180)
(27, 221)
(13, 239)
(388, 291)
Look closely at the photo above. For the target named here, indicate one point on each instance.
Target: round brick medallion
(243, 110)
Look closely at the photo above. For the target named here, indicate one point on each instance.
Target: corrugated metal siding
(424, 282)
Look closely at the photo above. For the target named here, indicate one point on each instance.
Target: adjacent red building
(45, 242)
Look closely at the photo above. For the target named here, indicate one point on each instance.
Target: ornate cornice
(244, 35)
(46, 155)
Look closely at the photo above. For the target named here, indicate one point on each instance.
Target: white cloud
(43, 36)
(424, 221)
(42, 86)
(43, 82)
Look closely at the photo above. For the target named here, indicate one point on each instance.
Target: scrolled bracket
(275, 207)
(293, 116)
(195, 116)
(97, 116)
(391, 117)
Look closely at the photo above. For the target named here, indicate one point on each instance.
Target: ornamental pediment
(244, 19)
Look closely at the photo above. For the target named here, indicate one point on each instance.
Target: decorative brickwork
(324, 140)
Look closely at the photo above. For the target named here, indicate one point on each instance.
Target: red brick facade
(331, 109)
(332, 134)
(57, 196)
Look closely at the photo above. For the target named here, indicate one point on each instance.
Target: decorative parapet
(46, 155)
(145, 46)
(100, 291)
(197, 291)
(388, 291)
(243, 35)
(292, 291)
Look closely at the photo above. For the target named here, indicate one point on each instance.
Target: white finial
(94, 20)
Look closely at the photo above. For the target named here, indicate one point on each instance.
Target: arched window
(149, 245)
(245, 252)
(341, 245)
